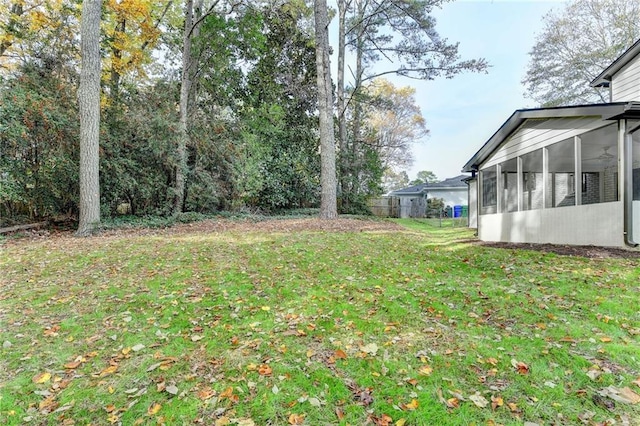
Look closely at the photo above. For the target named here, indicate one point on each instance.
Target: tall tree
(392, 181)
(186, 83)
(328, 200)
(424, 176)
(89, 105)
(399, 37)
(395, 120)
(576, 44)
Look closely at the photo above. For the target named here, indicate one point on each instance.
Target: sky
(462, 113)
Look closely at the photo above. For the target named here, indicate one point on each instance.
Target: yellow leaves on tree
(132, 29)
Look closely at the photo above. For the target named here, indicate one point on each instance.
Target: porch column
(577, 143)
(545, 174)
(520, 181)
(499, 188)
(625, 179)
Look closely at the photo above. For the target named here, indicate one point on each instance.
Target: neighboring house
(413, 199)
(565, 175)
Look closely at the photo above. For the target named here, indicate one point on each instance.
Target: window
(509, 193)
(561, 176)
(532, 180)
(599, 164)
(489, 190)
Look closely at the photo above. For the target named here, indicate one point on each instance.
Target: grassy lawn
(417, 326)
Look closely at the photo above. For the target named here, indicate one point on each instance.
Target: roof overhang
(446, 188)
(605, 76)
(610, 111)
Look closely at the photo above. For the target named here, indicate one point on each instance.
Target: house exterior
(565, 175)
(413, 199)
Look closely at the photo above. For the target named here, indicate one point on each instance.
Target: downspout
(627, 174)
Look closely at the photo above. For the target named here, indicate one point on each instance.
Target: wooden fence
(385, 206)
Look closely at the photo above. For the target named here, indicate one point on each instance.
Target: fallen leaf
(109, 370)
(296, 419)
(594, 374)
(222, 421)
(624, 395)
(205, 394)
(636, 382)
(315, 402)
(605, 339)
(172, 389)
(425, 370)
(479, 400)
(383, 420)
(264, 370)
(452, 402)
(496, 402)
(411, 406)
(339, 413)
(72, 365)
(401, 422)
(371, 349)
(586, 416)
(47, 405)
(227, 392)
(520, 367)
(52, 331)
(138, 347)
(41, 378)
(196, 337)
(340, 354)
(153, 409)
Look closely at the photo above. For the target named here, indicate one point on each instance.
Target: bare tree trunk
(89, 105)
(183, 130)
(341, 106)
(355, 154)
(328, 202)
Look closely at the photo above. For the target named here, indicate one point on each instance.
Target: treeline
(252, 128)
(252, 133)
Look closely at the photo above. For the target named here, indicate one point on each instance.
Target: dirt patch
(591, 252)
(286, 225)
(225, 225)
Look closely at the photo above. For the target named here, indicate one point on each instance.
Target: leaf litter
(288, 343)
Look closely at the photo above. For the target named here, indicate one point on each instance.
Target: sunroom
(568, 175)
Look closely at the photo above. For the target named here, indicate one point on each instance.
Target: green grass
(349, 326)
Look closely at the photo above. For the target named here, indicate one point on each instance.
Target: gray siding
(593, 224)
(625, 84)
(537, 134)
